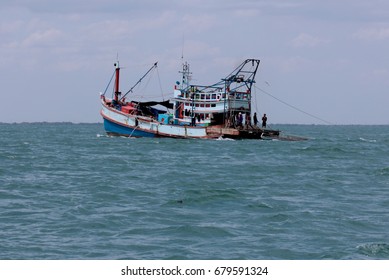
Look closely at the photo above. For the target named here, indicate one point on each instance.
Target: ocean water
(67, 191)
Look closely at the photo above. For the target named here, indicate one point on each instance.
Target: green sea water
(67, 191)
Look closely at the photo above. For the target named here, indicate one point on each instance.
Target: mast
(243, 76)
(185, 85)
(117, 74)
(239, 83)
(186, 75)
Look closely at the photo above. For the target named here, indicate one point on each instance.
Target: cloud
(199, 49)
(246, 12)
(198, 22)
(65, 6)
(296, 63)
(115, 28)
(42, 38)
(80, 39)
(306, 40)
(381, 33)
(10, 27)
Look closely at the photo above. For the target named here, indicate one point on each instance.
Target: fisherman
(193, 123)
(255, 119)
(264, 120)
(248, 121)
(240, 119)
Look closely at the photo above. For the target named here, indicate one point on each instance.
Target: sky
(322, 62)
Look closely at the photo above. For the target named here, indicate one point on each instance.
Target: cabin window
(197, 96)
(214, 96)
(208, 96)
(213, 105)
(207, 105)
(201, 105)
(202, 96)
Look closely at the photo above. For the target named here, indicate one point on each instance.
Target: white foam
(224, 139)
(368, 140)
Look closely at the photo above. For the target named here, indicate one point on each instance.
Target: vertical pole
(117, 92)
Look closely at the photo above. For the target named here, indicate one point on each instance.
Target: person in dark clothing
(248, 121)
(264, 120)
(255, 119)
(239, 120)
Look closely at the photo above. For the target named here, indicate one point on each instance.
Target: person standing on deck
(240, 120)
(248, 121)
(255, 119)
(264, 120)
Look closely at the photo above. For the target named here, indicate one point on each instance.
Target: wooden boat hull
(201, 112)
(121, 124)
(118, 123)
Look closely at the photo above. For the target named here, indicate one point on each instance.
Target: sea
(69, 191)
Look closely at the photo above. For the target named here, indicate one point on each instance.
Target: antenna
(183, 45)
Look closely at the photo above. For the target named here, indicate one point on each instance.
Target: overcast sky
(327, 58)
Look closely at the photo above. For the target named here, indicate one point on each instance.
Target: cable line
(109, 82)
(294, 107)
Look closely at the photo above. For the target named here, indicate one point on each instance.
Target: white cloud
(111, 28)
(106, 29)
(40, 38)
(381, 33)
(198, 49)
(306, 40)
(246, 13)
(10, 27)
(296, 63)
(198, 22)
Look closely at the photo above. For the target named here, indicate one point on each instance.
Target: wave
(378, 250)
(367, 140)
(324, 149)
(384, 171)
(98, 135)
(224, 139)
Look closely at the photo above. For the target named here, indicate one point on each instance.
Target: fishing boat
(194, 111)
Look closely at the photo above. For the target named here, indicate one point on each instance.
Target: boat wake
(224, 139)
(367, 140)
(113, 136)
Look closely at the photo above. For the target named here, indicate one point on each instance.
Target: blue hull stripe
(111, 127)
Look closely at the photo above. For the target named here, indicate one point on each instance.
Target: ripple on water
(374, 250)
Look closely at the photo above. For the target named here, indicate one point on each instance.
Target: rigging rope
(160, 84)
(140, 80)
(109, 82)
(294, 107)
